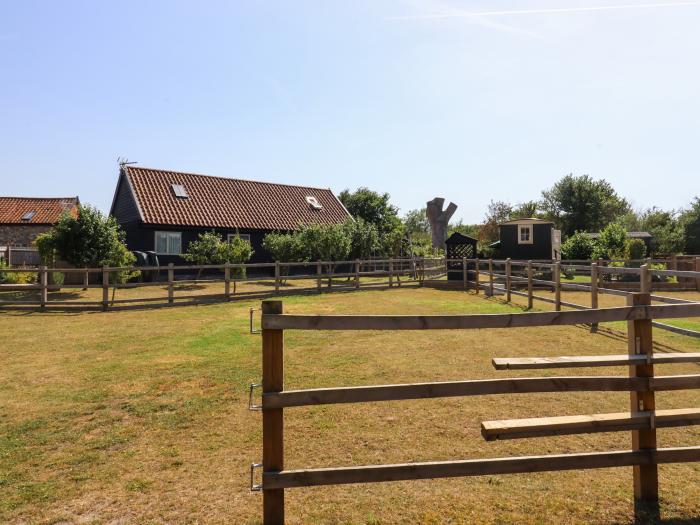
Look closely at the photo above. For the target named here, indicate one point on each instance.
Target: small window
(169, 243)
(244, 236)
(313, 202)
(525, 234)
(179, 191)
(28, 216)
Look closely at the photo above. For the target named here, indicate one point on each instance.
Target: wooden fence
(642, 420)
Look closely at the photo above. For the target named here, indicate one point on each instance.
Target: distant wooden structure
(460, 247)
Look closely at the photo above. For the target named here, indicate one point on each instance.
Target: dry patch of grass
(140, 416)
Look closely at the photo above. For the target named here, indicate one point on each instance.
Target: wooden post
(171, 284)
(319, 275)
(530, 297)
(697, 269)
(44, 281)
(86, 279)
(644, 279)
(105, 288)
(557, 286)
(508, 283)
(464, 272)
(594, 292)
(227, 281)
(646, 477)
(674, 262)
(357, 273)
(391, 272)
(491, 277)
(476, 276)
(273, 419)
(277, 277)
(600, 274)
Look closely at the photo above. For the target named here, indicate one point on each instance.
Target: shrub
(578, 246)
(611, 243)
(635, 249)
(209, 248)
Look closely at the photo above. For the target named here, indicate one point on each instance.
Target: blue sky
(415, 98)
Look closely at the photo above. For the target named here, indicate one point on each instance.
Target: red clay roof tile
(228, 203)
(47, 210)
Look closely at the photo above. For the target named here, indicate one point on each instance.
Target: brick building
(22, 219)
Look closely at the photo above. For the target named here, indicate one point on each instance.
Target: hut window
(244, 236)
(525, 234)
(169, 243)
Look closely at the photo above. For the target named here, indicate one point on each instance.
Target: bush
(611, 243)
(210, 248)
(635, 249)
(578, 246)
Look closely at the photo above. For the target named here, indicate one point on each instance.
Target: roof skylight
(179, 191)
(313, 202)
(28, 216)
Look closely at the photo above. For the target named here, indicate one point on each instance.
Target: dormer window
(179, 191)
(313, 202)
(28, 216)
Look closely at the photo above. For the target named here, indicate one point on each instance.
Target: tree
(90, 239)
(635, 249)
(496, 213)
(690, 220)
(582, 204)
(417, 226)
(364, 238)
(578, 246)
(283, 247)
(371, 207)
(525, 210)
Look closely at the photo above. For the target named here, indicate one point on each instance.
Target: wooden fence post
(171, 284)
(464, 272)
(530, 297)
(508, 283)
(421, 270)
(273, 418)
(491, 277)
(105, 288)
(594, 292)
(44, 281)
(697, 269)
(476, 276)
(646, 477)
(227, 281)
(277, 277)
(391, 272)
(86, 279)
(357, 273)
(644, 279)
(557, 286)
(319, 275)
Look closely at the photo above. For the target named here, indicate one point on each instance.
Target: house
(163, 211)
(22, 219)
(530, 238)
(644, 236)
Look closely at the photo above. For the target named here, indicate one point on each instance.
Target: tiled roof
(228, 203)
(46, 210)
(631, 235)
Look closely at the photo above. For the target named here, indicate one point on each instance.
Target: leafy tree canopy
(372, 207)
(578, 246)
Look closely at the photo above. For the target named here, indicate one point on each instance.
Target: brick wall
(20, 234)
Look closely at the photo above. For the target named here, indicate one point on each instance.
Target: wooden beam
(587, 424)
(461, 322)
(521, 385)
(475, 467)
(578, 361)
(273, 419)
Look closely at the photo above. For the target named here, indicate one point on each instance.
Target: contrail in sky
(553, 10)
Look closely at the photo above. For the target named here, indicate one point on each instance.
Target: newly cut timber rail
(587, 424)
(476, 467)
(460, 322)
(580, 361)
(521, 385)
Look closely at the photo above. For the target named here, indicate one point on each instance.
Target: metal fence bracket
(251, 405)
(253, 486)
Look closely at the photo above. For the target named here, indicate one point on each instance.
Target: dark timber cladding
(530, 238)
(178, 207)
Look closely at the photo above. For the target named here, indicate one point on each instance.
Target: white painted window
(524, 233)
(244, 236)
(169, 243)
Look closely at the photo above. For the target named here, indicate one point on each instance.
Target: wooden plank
(578, 361)
(521, 385)
(476, 467)
(273, 419)
(463, 322)
(639, 342)
(587, 424)
(675, 329)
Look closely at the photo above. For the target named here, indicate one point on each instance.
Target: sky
(469, 100)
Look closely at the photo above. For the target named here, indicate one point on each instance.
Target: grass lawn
(140, 416)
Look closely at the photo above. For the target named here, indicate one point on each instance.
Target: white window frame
(168, 242)
(530, 230)
(244, 236)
